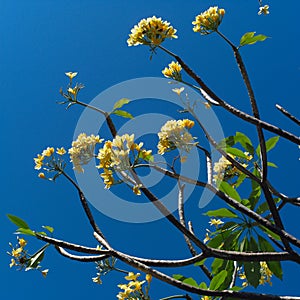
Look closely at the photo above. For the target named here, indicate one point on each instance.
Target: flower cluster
(133, 289)
(21, 258)
(174, 134)
(151, 31)
(82, 150)
(263, 10)
(118, 156)
(72, 91)
(173, 71)
(49, 162)
(265, 275)
(224, 170)
(209, 21)
(19, 254)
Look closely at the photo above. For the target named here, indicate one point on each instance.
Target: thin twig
(288, 114)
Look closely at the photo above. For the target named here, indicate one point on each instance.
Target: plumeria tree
(246, 240)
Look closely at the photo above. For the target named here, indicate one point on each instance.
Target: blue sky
(40, 40)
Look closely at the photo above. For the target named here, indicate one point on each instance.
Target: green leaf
(262, 208)
(49, 228)
(216, 265)
(200, 263)
(270, 144)
(216, 241)
(240, 180)
(270, 164)
(120, 103)
(226, 188)
(190, 281)
(252, 272)
(123, 113)
(222, 213)
(178, 277)
(245, 142)
(236, 152)
(203, 286)
(275, 267)
(25, 231)
(18, 221)
(271, 233)
(217, 281)
(250, 38)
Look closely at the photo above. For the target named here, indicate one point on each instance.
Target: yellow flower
(97, 280)
(173, 71)
(72, 91)
(42, 175)
(136, 189)
(48, 152)
(207, 238)
(264, 10)
(148, 278)
(132, 276)
(208, 21)
(151, 31)
(61, 151)
(71, 75)
(178, 91)
(45, 273)
(12, 263)
(38, 161)
(136, 285)
(17, 252)
(22, 242)
(174, 134)
(215, 222)
(82, 150)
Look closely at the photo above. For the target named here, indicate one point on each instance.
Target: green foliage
(250, 38)
(122, 113)
(222, 213)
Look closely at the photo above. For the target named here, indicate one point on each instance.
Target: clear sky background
(40, 40)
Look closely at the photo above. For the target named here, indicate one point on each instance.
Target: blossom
(17, 252)
(136, 189)
(264, 10)
(12, 263)
(208, 21)
(136, 285)
(266, 273)
(48, 152)
(151, 31)
(173, 71)
(224, 170)
(97, 280)
(148, 278)
(71, 75)
(82, 150)
(216, 222)
(132, 276)
(174, 134)
(115, 156)
(38, 161)
(45, 273)
(61, 151)
(22, 242)
(207, 238)
(42, 175)
(178, 91)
